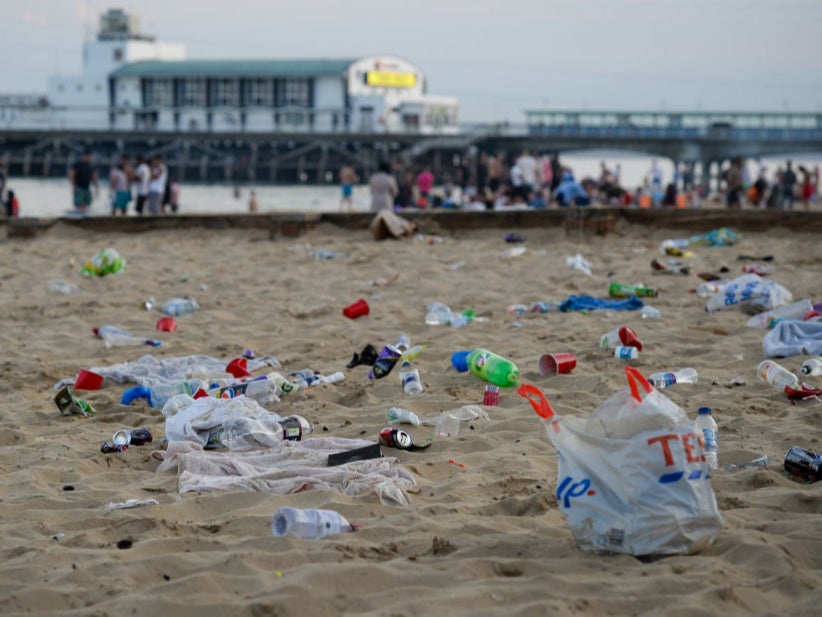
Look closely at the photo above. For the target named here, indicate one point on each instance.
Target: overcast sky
(498, 57)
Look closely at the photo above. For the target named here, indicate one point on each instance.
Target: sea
(51, 197)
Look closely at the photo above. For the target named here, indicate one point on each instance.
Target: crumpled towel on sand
(150, 371)
(793, 338)
(291, 467)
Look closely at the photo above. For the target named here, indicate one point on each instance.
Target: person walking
(788, 184)
(348, 178)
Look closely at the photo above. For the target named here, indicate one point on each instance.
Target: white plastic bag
(750, 289)
(633, 478)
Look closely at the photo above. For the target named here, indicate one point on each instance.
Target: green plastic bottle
(493, 368)
(621, 290)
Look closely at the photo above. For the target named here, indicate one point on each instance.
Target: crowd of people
(147, 183)
(530, 180)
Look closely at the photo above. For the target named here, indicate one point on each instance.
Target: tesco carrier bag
(632, 478)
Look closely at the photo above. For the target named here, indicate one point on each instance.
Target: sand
(483, 534)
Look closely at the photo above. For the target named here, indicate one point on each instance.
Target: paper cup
(358, 309)
(553, 363)
(88, 380)
(166, 324)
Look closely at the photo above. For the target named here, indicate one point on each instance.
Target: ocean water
(52, 197)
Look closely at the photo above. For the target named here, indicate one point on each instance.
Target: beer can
(804, 464)
(395, 438)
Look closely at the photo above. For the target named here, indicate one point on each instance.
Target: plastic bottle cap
(704, 411)
(459, 360)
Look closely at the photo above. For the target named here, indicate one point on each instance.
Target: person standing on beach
(788, 184)
(736, 184)
(383, 188)
(348, 178)
(82, 176)
(157, 185)
(119, 186)
(425, 182)
(142, 175)
(2, 180)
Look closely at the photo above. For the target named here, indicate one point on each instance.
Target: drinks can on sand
(491, 396)
(804, 464)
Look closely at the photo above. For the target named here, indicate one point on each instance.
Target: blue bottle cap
(459, 360)
(704, 411)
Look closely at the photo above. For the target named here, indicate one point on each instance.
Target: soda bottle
(660, 381)
(706, 425)
(621, 290)
(492, 368)
(804, 464)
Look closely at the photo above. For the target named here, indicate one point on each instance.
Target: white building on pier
(130, 82)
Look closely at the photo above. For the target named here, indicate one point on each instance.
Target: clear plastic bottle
(114, 337)
(650, 312)
(399, 415)
(180, 306)
(660, 381)
(63, 287)
(410, 379)
(812, 367)
(244, 433)
(437, 314)
(403, 343)
(262, 390)
(796, 310)
(776, 375)
(312, 523)
(157, 396)
(706, 425)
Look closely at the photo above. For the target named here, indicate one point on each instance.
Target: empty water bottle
(180, 306)
(113, 336)
(313, 523)
(157, 396)
(437, 314)
(660, 381)
(410, 379)
(812, 367)
(706, 425)
(776, 375)
(63, 287)
(399, 415)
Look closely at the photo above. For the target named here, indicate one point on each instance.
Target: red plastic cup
(554, 363)
(167, 324)
(88, 380)
(238, 368)
(358, 309)
(629, 338)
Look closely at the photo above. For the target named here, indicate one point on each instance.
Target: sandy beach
(482, 534)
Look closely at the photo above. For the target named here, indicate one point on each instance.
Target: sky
(499, 58)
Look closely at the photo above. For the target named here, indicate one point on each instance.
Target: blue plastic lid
(704, 411)
(459, 360)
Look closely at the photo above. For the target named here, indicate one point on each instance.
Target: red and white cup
(557, 363)
(88, 380)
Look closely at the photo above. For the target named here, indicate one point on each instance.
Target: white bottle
(660, 381)
(113, 336)
(410, 379)
(797, 310)
(180, 306)
(626, 353)
(706, 425)
(776, 375)
(313, 523)
(812, 367)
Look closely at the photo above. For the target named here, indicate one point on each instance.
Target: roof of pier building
(235, 68)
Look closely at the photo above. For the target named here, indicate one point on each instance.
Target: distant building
(131, 82)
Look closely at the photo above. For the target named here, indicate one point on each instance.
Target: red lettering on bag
(666, 448)
(687, 443)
